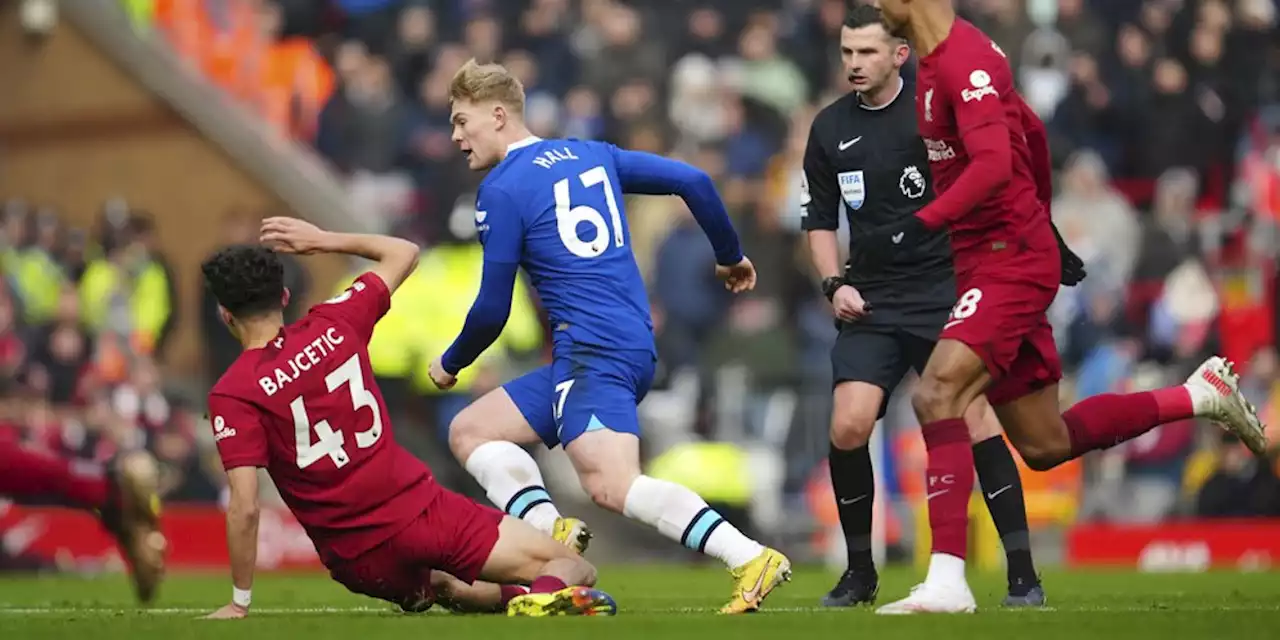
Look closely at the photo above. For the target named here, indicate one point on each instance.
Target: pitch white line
(180, 611)
(195, 611)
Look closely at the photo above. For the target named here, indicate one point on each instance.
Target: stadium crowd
(1163, 117)
(85, 318)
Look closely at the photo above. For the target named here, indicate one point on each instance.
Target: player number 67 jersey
(555, 208)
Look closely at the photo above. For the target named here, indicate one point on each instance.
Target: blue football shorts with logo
(585, 388)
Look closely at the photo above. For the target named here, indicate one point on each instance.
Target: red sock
(547, 584)
(510, 591)
(1106, 420)
(949, 484)
(26, 473)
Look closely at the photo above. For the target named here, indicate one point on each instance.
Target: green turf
(658, 603)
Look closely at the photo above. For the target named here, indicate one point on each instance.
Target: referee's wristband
(241, 597)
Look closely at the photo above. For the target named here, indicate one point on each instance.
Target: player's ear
(284, 298)
(226, 317)
(901, 52)
(499, 114)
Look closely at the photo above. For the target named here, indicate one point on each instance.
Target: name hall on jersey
(553, 156)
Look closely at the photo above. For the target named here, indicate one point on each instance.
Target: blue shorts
(585, 388)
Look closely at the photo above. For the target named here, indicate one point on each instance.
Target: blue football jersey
(555, 208)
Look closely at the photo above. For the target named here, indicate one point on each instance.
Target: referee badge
(912, 182)
(854, 188)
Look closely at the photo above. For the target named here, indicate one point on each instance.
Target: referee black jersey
(873, 161)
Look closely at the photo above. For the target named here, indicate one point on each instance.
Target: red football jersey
(964, 84)
(307, 409)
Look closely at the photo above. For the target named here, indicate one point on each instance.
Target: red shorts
(1003, 320)
(453, 534)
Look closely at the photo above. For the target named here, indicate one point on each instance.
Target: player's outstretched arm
(242, 539)
(503, 237)
(395, 257)
(649, 174)
(484, 324)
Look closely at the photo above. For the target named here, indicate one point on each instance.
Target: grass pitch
(656, 603)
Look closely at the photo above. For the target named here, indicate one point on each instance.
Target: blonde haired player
(554, 207)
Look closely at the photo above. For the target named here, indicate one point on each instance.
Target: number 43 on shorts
(965, 307)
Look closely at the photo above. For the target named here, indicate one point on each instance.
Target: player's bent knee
(608, 490)
(944, 394)
(466, 433)
(1039, 457)
(934, 399)
(585, 572)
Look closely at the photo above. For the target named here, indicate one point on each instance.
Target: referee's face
(870, 57)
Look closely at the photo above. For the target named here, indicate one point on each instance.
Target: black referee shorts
(879, 356)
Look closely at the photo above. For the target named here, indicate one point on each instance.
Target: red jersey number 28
(330, 443)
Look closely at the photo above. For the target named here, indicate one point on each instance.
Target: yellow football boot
(572, 533)
(754, 581)
(570, 601)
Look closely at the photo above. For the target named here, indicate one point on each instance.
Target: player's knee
(852, 429)
(465, 435)
(608, 491)
(1042, 456)
(938, 396)
(572, 568)
(587, 571)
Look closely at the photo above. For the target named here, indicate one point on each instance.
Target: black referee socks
(855, 488)
(1002, 489)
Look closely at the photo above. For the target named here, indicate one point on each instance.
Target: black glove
(880, 245)
(1072, 266)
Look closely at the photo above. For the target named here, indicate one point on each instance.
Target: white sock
(1203, 399)
(513, 483)
(945, 570)
(681, 515)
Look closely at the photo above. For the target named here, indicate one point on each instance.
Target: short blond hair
(477, 82)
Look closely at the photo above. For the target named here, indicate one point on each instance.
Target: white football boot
(929, 597)
(1215, 395)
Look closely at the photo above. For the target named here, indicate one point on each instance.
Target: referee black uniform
(871, 163)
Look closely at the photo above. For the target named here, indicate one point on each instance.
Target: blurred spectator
(765, 74)
(1087, 117)
(371, 21)
(62, 351)
(621, 54)
(1082, 27)
(1167, 241)
(1096, 221)
(1241, 486)
(544, 34)
(37, 275)
(142, 226)
(364, 124)
(1172, 108)
(413, 51)
(126, 294)
(691, 307)
(1043, 75)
